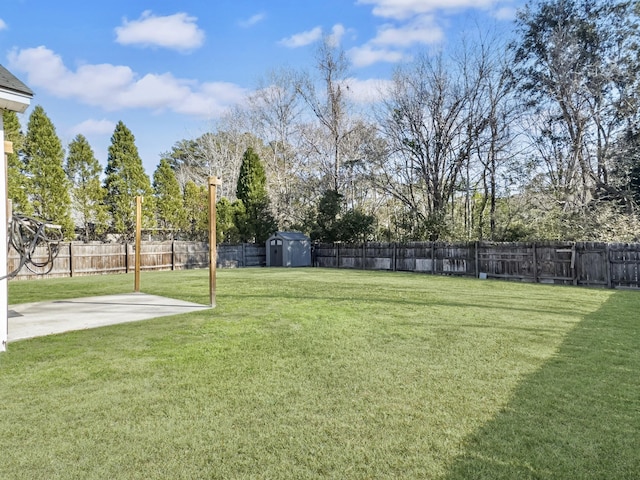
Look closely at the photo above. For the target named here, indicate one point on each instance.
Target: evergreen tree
(332, 225)
(125, 180)
(87, 193)
(16, 178)
(48, 185)
(326, 227)
(356, 226)
(169, 200)
(257, 223)
(196, 206)
(226, 215)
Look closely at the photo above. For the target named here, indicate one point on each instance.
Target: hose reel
(25, 235)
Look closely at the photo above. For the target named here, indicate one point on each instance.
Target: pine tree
(196, 206)
(48, 185)
(87, 193)
(16, 178)
(169, 200)
(257, 223)
(125, 179)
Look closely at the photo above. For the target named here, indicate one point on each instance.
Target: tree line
(91, 204)
(529, 139)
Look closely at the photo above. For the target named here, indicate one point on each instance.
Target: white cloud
(422, 30)
(368, 55)
(212, 99)
(93, 127)
(402, 9)
(177, 32)
(90, 83)
(505, 13)
(302, 39)
(116, 87)
(388, 44)
(251, 21)
(3, 25)
(368, 91)
(337, 32)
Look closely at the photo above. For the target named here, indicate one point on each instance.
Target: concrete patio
(30, 320)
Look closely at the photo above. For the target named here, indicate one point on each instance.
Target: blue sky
(169, 69)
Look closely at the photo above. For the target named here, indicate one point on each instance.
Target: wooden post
(364, 255)
(394, 256)
(71, 259)
(139, 201)
(477, 259)
(213, 248)
(535, 262)
(173, 254)
(244, 254)
(608, 265)
(433, 258)
(574, 270)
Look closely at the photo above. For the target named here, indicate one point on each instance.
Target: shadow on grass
(578, 417)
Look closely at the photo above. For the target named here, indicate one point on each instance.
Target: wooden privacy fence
(614, 265)
(75, 259)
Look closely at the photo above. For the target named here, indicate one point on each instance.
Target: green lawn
(315, 373)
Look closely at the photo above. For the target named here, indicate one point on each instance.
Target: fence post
(71, 259)
(244, 255)
(535, 262)
(393, 257)
(126, 257)
(364, 255)
(574, 270)
(173, 254)
(608, 265)
(433, 258)
(337, 254)
(477, 265)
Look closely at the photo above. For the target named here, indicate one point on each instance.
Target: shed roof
(9, 82)
(290, 236)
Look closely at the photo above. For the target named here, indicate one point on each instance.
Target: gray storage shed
(288, 249)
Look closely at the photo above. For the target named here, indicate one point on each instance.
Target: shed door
(275, 252)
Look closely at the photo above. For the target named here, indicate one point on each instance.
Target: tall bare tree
(216, 153)
(330, 106)
(273, 113)
(431, 126)
(496, 147)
